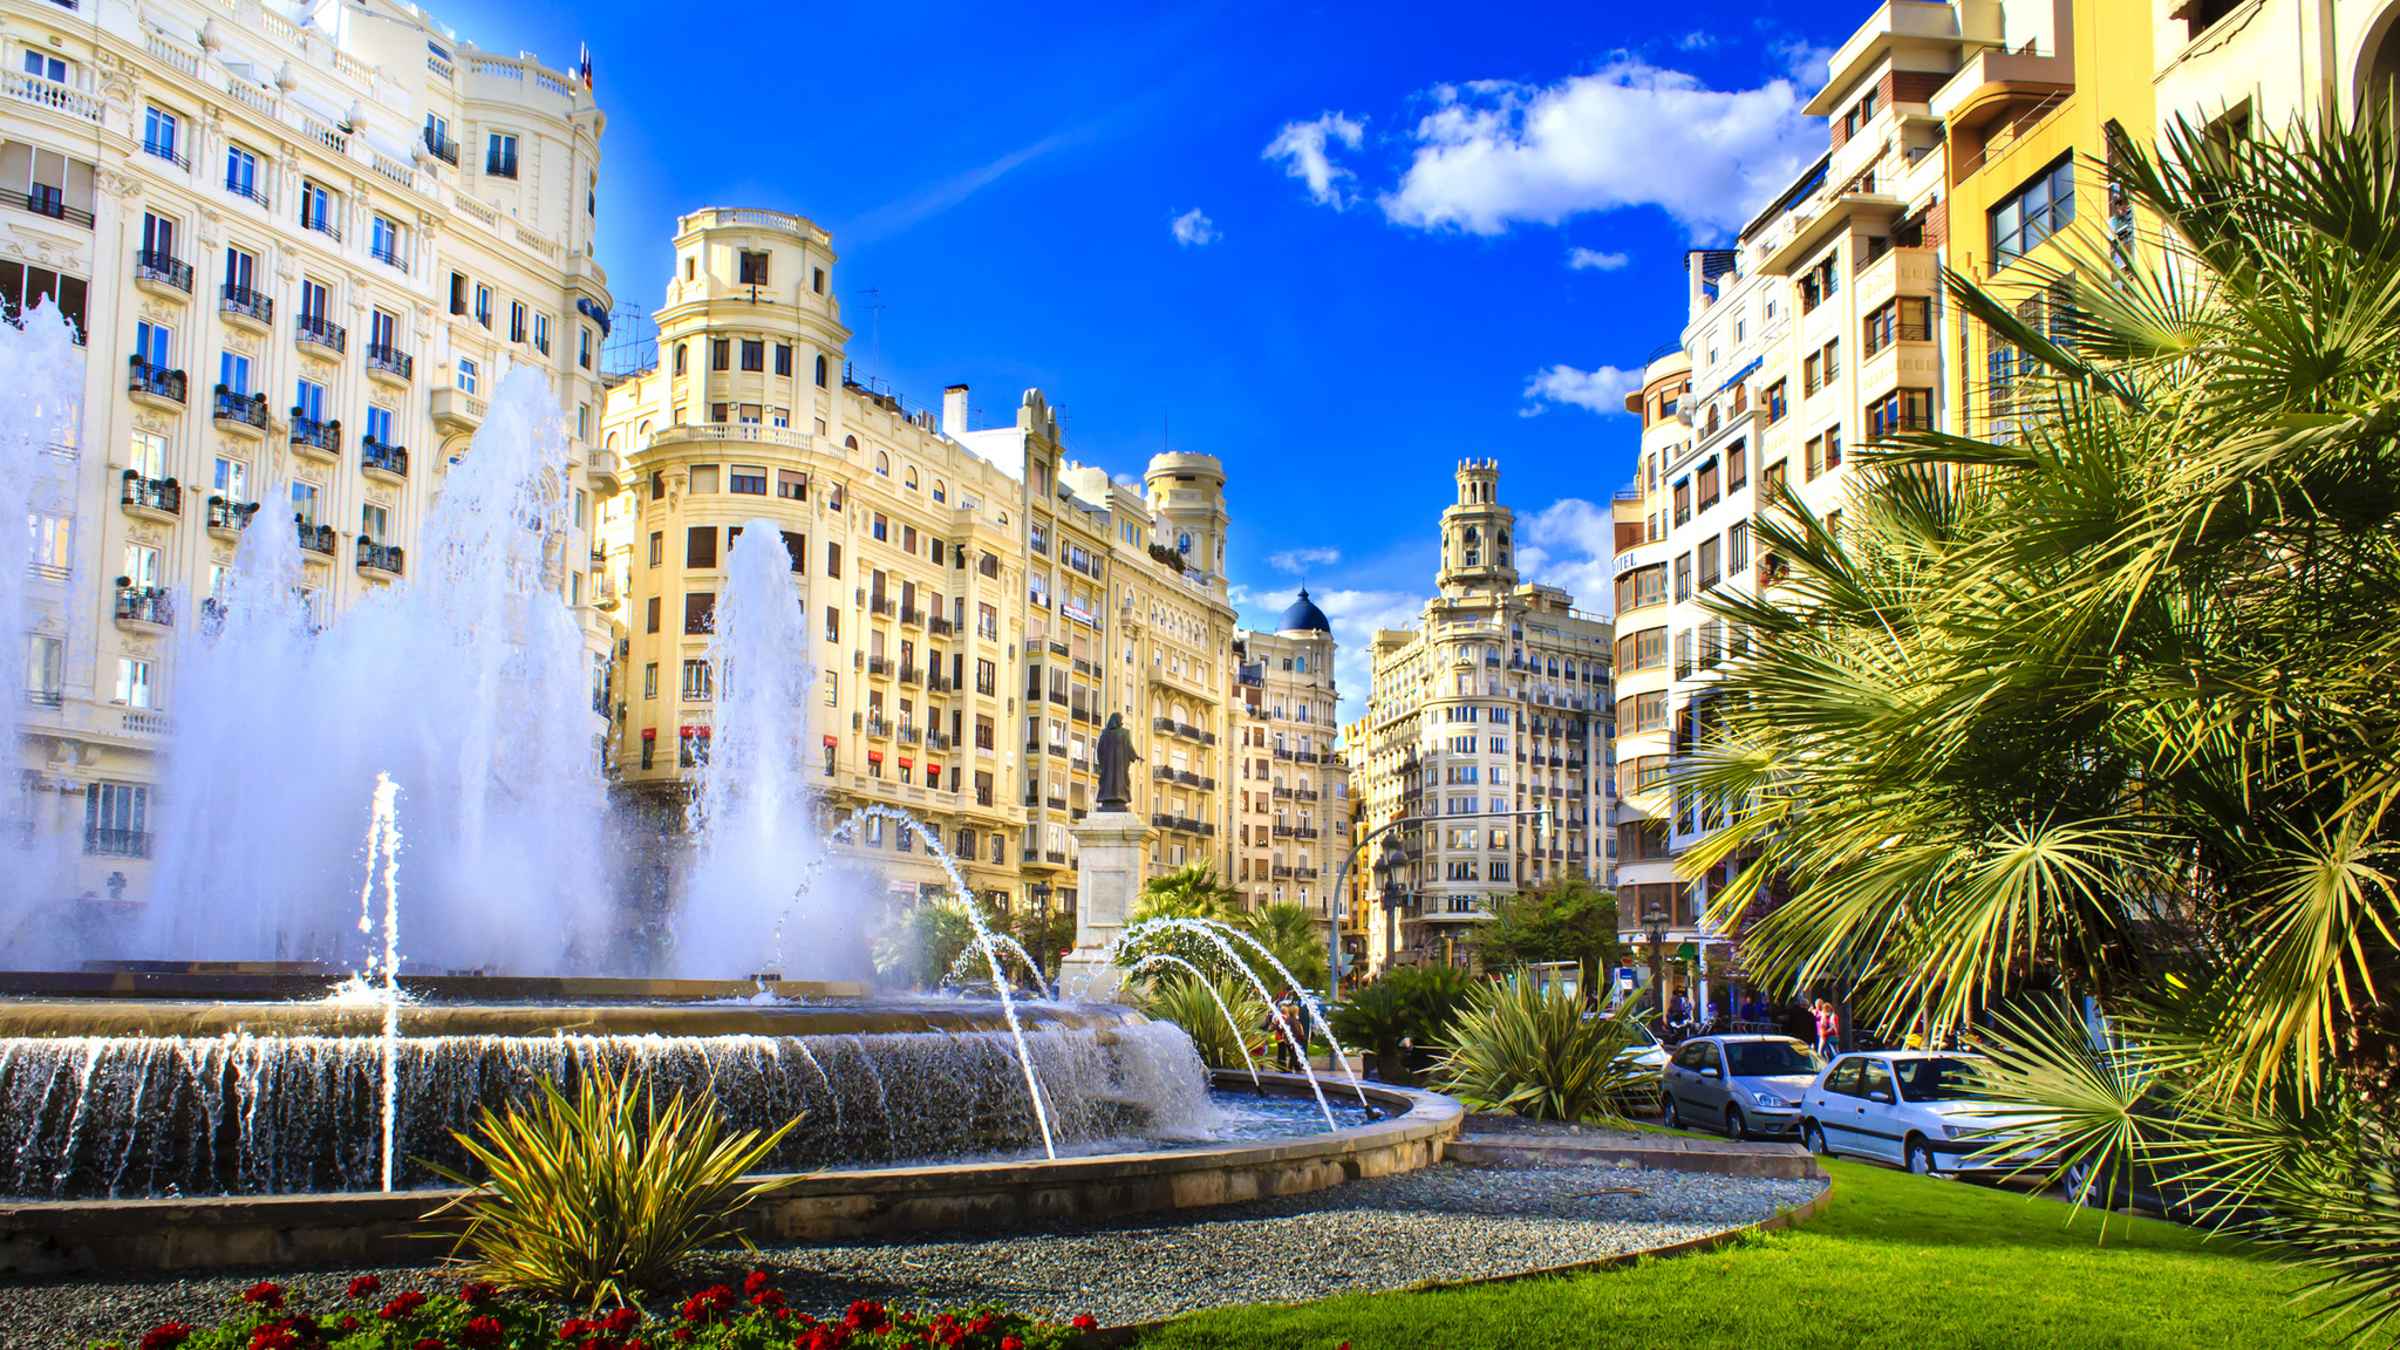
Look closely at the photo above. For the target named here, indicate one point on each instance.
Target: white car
(1919, 1109)
(1644, 1052)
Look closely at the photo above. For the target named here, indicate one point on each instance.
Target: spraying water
(1215, 934)
(1241, 1039)
(383, 838)
(983, 940)
(754, 813)
(469, 680)
(41, 382)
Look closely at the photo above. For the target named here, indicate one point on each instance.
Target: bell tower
(1479, 547)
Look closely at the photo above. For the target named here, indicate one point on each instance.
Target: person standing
(1829, 1029)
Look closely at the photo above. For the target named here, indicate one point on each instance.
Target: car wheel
(1920, 1157)
(1735, 1126)
(1673, 1117)
(1812, 1137)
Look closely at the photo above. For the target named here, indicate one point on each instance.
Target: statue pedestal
(1109, 870)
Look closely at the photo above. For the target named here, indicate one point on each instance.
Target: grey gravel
(1445, 1223)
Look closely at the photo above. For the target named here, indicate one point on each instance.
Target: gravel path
(1445, 1223)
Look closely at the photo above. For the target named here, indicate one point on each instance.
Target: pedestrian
(1754, 1011)
(1679, 1016)
(1275, 1023)
(1829, 1029)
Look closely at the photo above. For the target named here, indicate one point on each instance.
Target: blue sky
(1339, 247)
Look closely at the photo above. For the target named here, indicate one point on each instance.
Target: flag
(583, 63)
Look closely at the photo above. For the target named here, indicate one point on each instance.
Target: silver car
(1921, 1109)
(1744, 1085)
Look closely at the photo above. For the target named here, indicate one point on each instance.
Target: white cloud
(1602, 391)
(1303, 148)
(1193, 229)
(1355, 615)
(1495, 154)
(1302, 559)
(1698, 40)
(1808, 64)
(1569, 544)
(1593, 260)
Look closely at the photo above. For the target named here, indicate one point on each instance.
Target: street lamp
(1391, 864)
(1654, 917)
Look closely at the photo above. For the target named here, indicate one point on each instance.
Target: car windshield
(1769, 1059)
(1939, 1080)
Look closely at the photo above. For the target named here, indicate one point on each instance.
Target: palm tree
(1192, 892)
(2081, 736)
(1292, 933)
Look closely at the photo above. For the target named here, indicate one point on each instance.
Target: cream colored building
(2267, 63)
(1487, 729)
(979, 603)
(1291, 788)
(302, 251)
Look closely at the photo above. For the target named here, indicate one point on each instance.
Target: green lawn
(1893, 1260)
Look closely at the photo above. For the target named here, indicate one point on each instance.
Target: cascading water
(1224, 935)
(758, 881)
(41, 387)
(1241, 1038)
(469, 681)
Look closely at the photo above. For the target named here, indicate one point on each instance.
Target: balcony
(166, 150)
(607, 469)
(386, 462)
(315, 330)
(247, 190)
(243, 415)
(156, 386)
(154, 499)
(388, 254)
(441, 147)
(106, 843)
(879, 728)
(389, 364)
(243, 307)
(145, 608)
(387, 560)
(45, 200)
(227, 518)
(310, 436)
(315, 538)
(457, 410)
(162, 274)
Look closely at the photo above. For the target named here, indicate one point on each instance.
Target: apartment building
(979, 603)
(300, 245)
(2268, 63)
(1819, 331)
(1487, 733)
(1291, 789)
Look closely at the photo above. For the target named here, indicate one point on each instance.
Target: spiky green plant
(1410, 1004)
(594, 1198)
(2103, 701)
(1530, 1049)
(1185, 1001)
(1193, 892)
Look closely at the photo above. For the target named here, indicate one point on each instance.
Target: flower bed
(479, 1317)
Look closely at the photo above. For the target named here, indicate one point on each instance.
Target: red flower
(621, 1321)
(1085, 1322)
(683, 1333)
(265, 1291)
(754, 1282)
(429, 1343)
(365, 1286)
(408, 1302)
(167, 1335)
(476, 1291)
(1012, 1343)
(348, 1323)
(481, 1332)
(274, 1336)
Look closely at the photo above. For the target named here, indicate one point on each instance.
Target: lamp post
(1391, 863)
(1654, 917)
(1341, 882)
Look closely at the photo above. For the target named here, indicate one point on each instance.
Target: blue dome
(1303, 617)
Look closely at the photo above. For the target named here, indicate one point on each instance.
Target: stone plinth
(1108, 875)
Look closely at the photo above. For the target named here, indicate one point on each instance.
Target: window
(753, 267)
(683, 352)
(158, 134)
(241, 173)
(821, 372)
(541, 337)
(720, 353)
(116, 820)
(1901, 410)
(700, 612)
(754, 354)
(1683, 578)
(43, 66)
(1737, 547)
(468, 376)
(316, 208)
(700, 546)
(517, 325)
(375, 522)
(22, 285)
(1777, 400)
(783, 358)
(500, 155)
(2034, 212)
(308, 400)
(383, 242)
(306, 503)
(650, 617)
(698, 683)
(750, 479)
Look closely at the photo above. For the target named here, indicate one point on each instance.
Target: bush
(1530, 1049)
(595, 1198)
(271, 1316)
(1410, 1005)
(1185, 1001)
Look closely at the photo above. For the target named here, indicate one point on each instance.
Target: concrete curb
(1112, 1338)
(1785, 1162)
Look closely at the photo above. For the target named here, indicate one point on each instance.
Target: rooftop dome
(1303, 617)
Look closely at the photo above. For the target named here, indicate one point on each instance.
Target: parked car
(1919, 1109)
(1743, 1085)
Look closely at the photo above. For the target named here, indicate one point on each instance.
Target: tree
(2104, 702)
(1566, 920)
(1292, 933)
(1192, 892)
(1044, 931)
(922, 942)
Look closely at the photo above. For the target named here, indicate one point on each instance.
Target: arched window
(683, 354)
(940, 494)
(1300, 664)
(1474, 547)
(1183, 542)
(610, 442)
(883, 465)
(908, 476)
(850, 442)
(820, 370)
(642, 432)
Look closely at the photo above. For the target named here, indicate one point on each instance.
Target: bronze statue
(1116, 764)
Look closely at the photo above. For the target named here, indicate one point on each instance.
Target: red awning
(875, 757)
(907, 763)
(832, 741)
(933, 771)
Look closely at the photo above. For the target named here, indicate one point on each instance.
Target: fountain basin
(33, 1018)
(293, 1232)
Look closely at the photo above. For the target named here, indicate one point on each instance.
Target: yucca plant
(1530, 1049)
(1202, 1010)
(2099, 701)
(1410, 1004)
(594, 1198)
